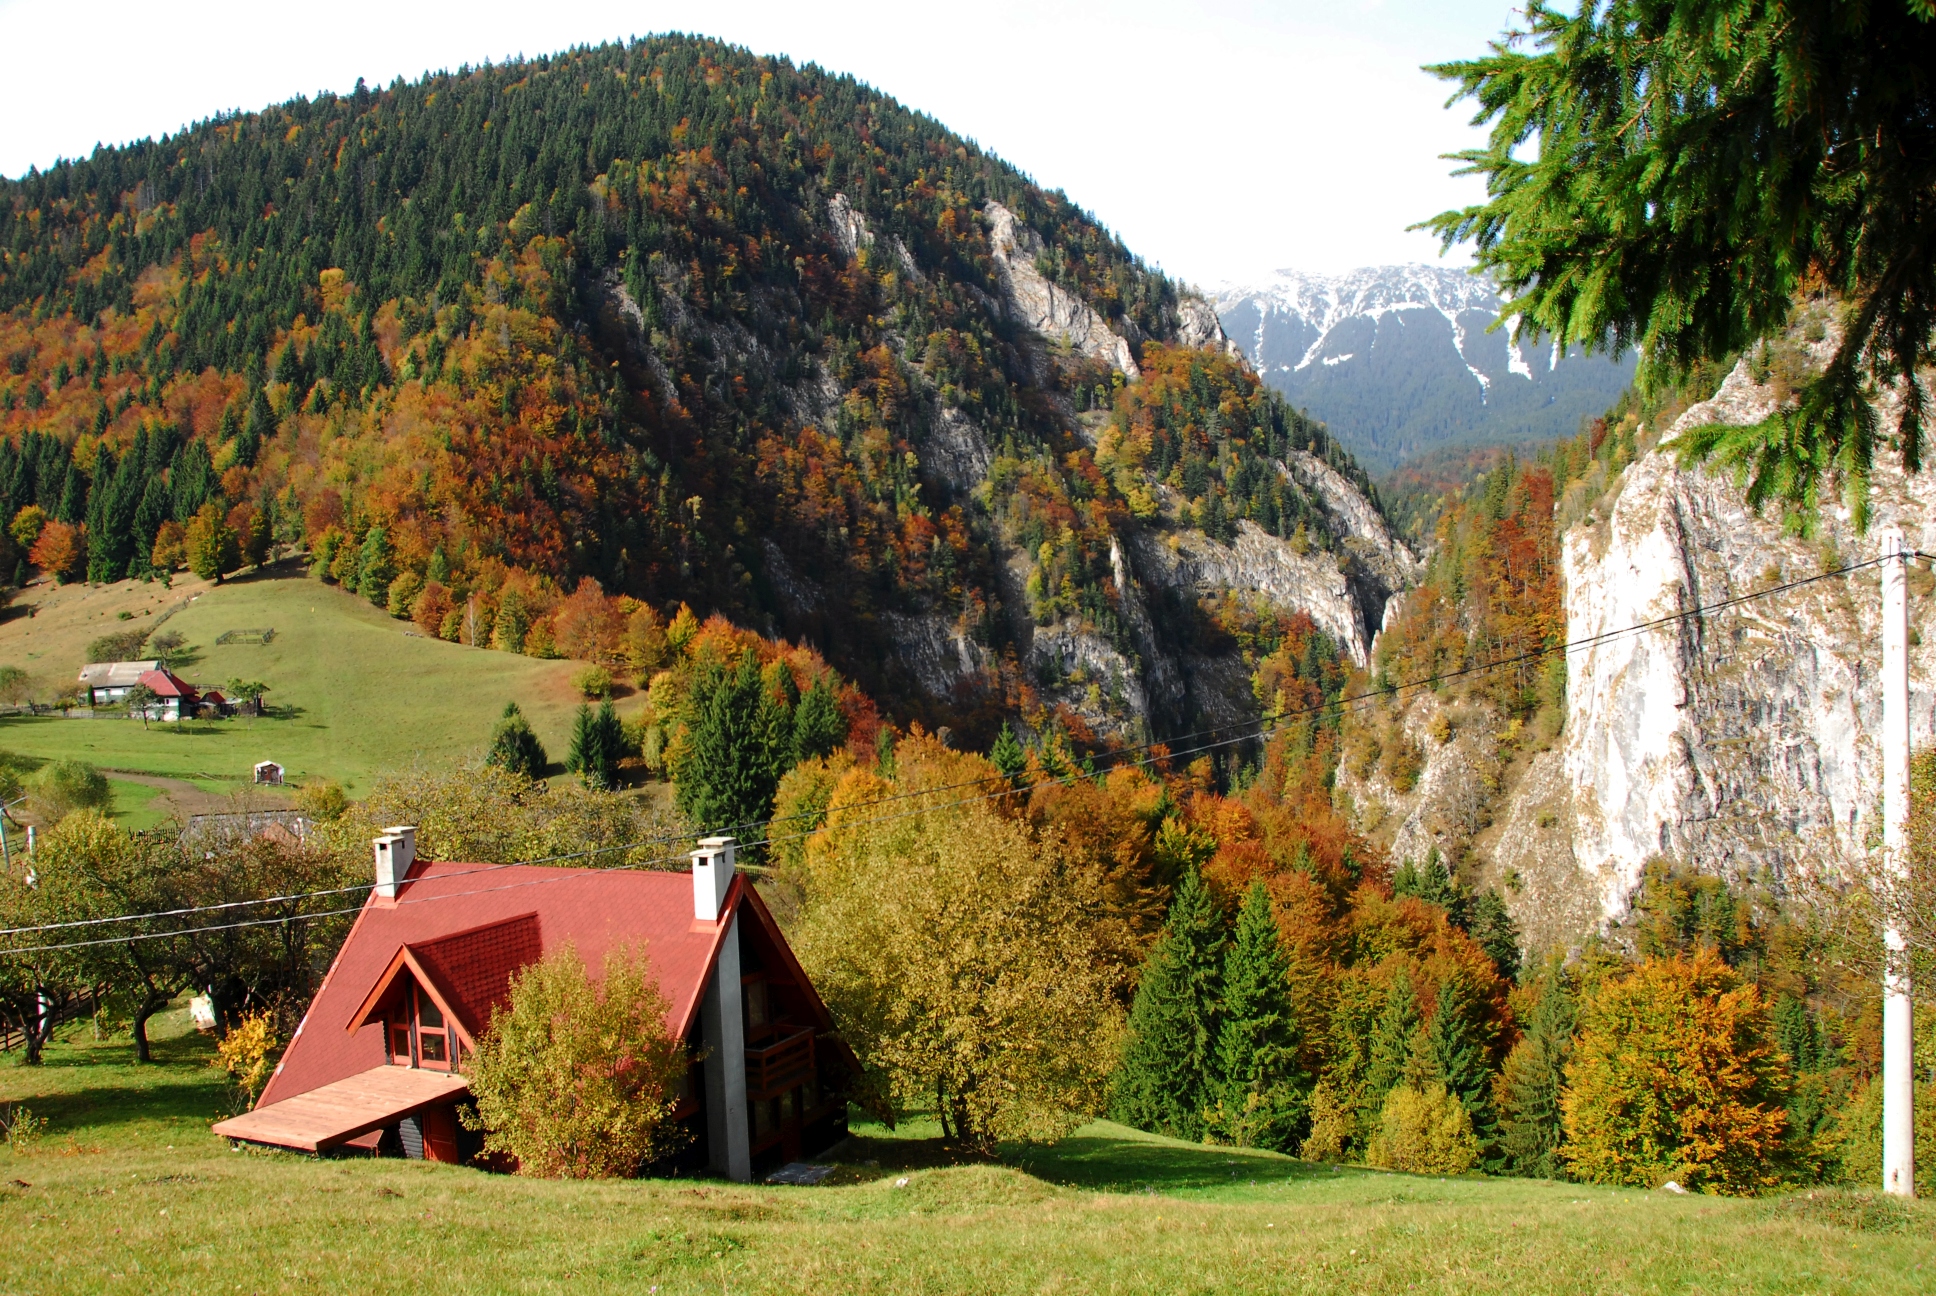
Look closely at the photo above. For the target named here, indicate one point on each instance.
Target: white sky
(1220, 138)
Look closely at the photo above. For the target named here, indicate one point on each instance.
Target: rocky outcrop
(1741, 741)
(1055, 313)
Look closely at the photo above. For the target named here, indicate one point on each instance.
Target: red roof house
(378, 1062)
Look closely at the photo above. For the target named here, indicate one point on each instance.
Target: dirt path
(184, 798)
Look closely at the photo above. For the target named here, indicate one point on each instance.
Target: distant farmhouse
(109, 683)
(378, 1063)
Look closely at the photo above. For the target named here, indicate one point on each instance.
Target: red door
(440, 1134)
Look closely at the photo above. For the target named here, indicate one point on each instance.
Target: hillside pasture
(127, 1191)
(353, 693)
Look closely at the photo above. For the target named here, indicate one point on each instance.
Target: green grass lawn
(355, 694)
(135, 805)
(128, 1192)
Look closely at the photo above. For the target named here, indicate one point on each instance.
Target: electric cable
(1340, 703)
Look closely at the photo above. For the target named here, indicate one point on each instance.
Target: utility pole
(1898, 1021)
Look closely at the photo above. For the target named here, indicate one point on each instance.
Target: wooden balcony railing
(779, 1065)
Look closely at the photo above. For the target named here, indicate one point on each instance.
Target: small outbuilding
(378, 1064)
(268, 772)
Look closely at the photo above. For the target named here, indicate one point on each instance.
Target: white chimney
(712, 873)
(396, 851)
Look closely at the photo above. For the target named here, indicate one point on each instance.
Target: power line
(1277, 722)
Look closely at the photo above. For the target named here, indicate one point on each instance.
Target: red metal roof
(167, 684)
(473, 928)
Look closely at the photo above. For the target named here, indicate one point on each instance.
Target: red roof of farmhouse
(167, 684)
(465, 928)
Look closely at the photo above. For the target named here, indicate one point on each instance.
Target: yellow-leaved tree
(576, 1078)
(961, 952)
(1675, 1076)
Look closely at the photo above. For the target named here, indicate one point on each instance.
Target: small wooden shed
(268, 772)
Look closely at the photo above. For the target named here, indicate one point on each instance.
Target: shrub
(1674, 1077)
(68, 785)
(593, 682)
(247, 1053)
(1858, 1133)
(1334, 1123)
(579, 1080)
(1424, 1131)
(324, 802)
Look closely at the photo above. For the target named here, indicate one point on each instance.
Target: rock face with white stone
(1741, 742)
(1046, 308)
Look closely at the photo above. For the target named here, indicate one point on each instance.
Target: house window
(433, 1038)
(418, 1035)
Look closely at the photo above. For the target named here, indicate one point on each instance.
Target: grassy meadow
(126, 1191)
(354, 693)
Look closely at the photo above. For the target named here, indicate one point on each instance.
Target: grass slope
(354, 692)
(128, 1192)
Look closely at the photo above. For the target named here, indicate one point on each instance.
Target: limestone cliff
(1740, 742)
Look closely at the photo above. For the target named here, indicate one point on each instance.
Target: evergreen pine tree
(818, 727)
(514, 747)
(1432, 883)
(597, 744)
(1491, 926)
(1262, 1091)
(722, 777)
(1007, 755)
(376, 567)
(438, 568)
(1392, 1038)
(779, 697)
(1530, 1083)
(1167, 1078)
(73, 497)
(586, 758)
(1454, 1052)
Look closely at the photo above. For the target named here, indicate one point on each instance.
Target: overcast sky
(1221, 139)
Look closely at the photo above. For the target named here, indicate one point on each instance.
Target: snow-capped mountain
(1398, 360)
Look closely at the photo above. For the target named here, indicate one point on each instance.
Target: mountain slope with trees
(692, 324)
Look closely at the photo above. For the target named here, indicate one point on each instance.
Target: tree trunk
(149, 1006)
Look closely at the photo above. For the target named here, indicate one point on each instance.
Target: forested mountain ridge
(698, 325)
(1401, 360)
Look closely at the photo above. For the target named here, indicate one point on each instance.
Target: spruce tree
(1392, 1038)
(1262, 1089)
(587, 757)
(1007, 755)
(818, 727)
(1530, 1083)
(515, 748)
(376, 567)
(1455, 1052)
(1491, 926)
(1167, 1078)
(723, 777)
(779, 697)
